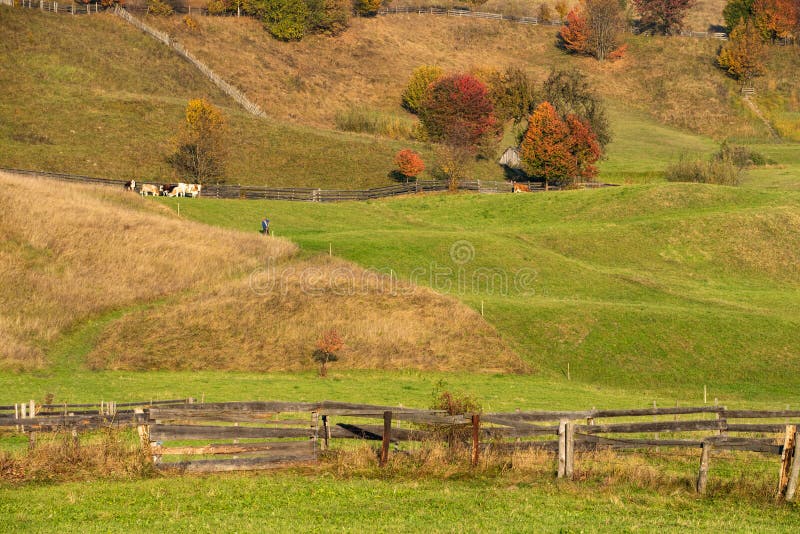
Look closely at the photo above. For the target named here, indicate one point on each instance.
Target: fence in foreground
(199, 437)
(253, 192)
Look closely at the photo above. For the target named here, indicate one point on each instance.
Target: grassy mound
(668, 286)
(188, 296)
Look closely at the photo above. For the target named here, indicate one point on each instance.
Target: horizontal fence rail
(248, 192)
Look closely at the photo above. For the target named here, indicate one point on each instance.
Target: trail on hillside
(754, 107)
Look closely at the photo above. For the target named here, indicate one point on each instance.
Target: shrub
(544, 13)
(704, 172)
(664, 16)
(328, 17)
(286, 19)
(409, 163)
(218, 7)
(454, 403)
(159, 8)
(417, 87)
(365, 120)
(366, 8)
(741, 156)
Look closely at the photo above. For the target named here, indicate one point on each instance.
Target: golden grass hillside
(271, 320)
(311, 81)
(68, 252)
(191, 296)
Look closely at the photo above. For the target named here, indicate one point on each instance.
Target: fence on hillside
(461, 12)
(258, 435)
(253, 192)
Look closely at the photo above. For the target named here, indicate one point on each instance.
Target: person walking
(265, 226)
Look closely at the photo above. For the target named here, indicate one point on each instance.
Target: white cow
(194, 190)
(150, 189)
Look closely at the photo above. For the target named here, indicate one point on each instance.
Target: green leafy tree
(568, 91)
(736, 11)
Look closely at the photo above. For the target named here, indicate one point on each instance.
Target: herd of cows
(167, 190)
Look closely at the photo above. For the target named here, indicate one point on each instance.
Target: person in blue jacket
(265, 226)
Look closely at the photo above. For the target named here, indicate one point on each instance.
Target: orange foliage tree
(595, 28)
(328, 345)
(409, 163)
(777, 19)
(559, 151)
(743, 55)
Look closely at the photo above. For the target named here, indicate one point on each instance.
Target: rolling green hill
(666, 287)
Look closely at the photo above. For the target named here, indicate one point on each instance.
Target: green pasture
(287, 501)
(661, 287)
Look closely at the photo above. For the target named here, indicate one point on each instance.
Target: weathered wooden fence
(199, 437)
(253, 192)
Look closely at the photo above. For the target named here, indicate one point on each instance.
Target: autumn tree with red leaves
(409, 163)
(663, 16)
(595, 28)
(458, 112)
(559, 151)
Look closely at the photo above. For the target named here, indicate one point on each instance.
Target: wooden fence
(252, 192)
(68, 7)
(199, 437)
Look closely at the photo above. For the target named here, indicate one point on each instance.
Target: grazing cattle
(130, 185)
(194, 190)
(521, 188)
(177, 190)
(167, 189)
(150, 189)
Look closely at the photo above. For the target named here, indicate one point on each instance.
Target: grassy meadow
(665, 287)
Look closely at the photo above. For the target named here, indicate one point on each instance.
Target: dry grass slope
(672, 79)
(70, 252)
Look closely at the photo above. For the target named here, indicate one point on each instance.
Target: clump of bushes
(365, 120)
(159, 8)
(291, 20)
(719, 172)
(741, 156)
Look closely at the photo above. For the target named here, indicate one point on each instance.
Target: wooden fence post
(31, 441)
(702, 477)
(325, 433)
(476, 439)
(569, 449)
(786, 459)
(562, 449)
(387, 437)
(791, 487)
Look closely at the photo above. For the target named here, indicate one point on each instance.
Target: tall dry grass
(57, 456)
(272, 320)
(68, 252)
